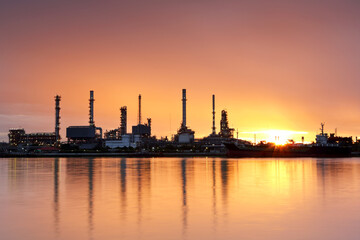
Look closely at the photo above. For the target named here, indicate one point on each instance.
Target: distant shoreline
(130, 155)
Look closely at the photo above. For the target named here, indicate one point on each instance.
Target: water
(174, 198)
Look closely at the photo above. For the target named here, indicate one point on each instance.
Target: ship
(321, 148)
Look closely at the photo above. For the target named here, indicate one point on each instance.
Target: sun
(276, 136)
(281, 137)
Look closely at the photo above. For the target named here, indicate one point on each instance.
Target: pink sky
(271, 64)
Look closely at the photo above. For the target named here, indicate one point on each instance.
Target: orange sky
(275, 65)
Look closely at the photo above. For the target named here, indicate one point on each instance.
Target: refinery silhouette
(90, 139)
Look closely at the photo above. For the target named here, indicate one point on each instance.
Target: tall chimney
(149, 124)
(123, 120)
(91, 107)
(213, 112)
(184, 107)
(139, 109)
(57, 118)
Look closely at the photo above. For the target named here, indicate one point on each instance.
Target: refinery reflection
(183, 166)
(123, 187)
(153, 198)
(56, 195)
(91, 194)
(214, 212)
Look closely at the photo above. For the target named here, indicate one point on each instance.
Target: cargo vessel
(321, 148)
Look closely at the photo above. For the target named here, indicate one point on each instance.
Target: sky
(273, 65)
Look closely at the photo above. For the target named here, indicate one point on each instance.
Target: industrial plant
(87, 137)
(91, 139)
(18, 136)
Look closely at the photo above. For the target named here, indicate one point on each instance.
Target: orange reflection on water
(174, 198)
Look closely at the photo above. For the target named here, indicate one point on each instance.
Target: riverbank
(112, 154)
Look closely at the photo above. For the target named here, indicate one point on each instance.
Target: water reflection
(143, 178)
(91, 195)
(56, 195)
(214, 195)
(224, 184)
(123, 199)
(219, 198)
(184, 196)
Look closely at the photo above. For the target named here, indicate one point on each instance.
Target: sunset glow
(186, 120)
(274, 65)
(236, 198)
(279, 137)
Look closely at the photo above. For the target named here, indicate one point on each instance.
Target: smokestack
(57, 118)
(149, 124)
(91, 107)
(123, 120)
(184, 107)
(213, 112)
(139, 109)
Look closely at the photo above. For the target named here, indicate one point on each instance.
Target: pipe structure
(139, 109)
(213, 113)
(101, 133)
(184, 108)
(57, 118)
(91, 107)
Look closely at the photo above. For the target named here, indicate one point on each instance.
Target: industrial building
(225, 130)
(214, 142)
(184, 135)
(144, 130)
(40, 138)
(119, 138)
(112, 134)
(127, 140)
(85, 134)
(122, 130)
(17, 136)
(20, 137)
(81, 133)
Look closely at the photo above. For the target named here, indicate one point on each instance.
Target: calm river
(175, 198)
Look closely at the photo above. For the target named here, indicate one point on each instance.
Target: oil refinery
(91, 139)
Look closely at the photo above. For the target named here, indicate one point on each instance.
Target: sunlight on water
(174, 198)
